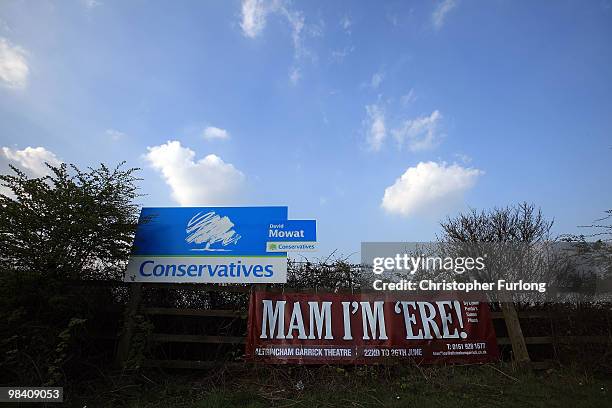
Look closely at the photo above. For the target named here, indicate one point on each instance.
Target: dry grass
(284, 387)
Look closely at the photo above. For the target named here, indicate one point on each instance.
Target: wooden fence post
(125, 339)
(515, 333)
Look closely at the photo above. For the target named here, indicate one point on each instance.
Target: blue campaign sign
(292, 236)
(293, 231)
(212, 231)
(207, 244)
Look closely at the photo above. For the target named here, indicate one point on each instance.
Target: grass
(284, 387)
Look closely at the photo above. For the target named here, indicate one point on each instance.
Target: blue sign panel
(293, 231)
(209, 231)
(207, 244)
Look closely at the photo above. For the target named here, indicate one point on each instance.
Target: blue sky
(376, 118)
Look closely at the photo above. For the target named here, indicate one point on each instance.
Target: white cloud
(295, 75)
(31, 159)
(208, 181)
(429, 187)
(14, 68)
(114, 134)
(215, 133)
(375, 122)
(442, 9)
(420, 133)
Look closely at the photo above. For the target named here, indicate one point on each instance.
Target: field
(250, 387)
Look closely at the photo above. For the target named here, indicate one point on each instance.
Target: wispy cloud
(14, 69)
(91, 4)
(215, 133)
(408, 98)
(4, 26)
(463, 158)
(296, 21)
(295, 74)
(376, 128)
(438, 17)
(421, 133)
(346, 23)
(114, 135)
(256, 12)
(377, 79)
(340, 55)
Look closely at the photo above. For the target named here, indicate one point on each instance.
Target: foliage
(71, 224)
(598, 252)
(139, 343)
(520, 223)
(337, 274)
(66, 339)
(68, 226)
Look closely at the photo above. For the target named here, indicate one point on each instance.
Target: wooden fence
(508, 314)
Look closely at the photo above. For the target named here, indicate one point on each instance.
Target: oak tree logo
(211, 229)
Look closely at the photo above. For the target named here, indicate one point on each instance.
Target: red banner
(369, 328)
